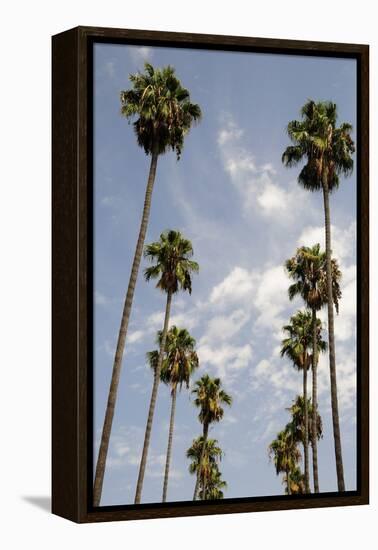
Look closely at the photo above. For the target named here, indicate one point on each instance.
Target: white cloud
(222, 327)
(343, 240)
(271, 299)
(255, 183)
(273, 199)
(345, 322)
(110, 69)
(187, 319)
(135, 336)
(225, 359)
(140, 54)
(100, 299)
(346, 380)
(237, 286)
(229, 133)
(264, 291)
(155, 320)
(277, 201)
(278, 377)
(266, 434)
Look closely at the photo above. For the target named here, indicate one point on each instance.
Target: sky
(245, 215)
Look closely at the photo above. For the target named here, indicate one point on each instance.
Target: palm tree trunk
(169, 448)
(204, 484)
(205, 432)
(305, 443)
(314, 435)
(288, 482)
(331, 344)
(117, 365)
(151, 411)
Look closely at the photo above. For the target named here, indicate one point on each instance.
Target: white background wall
(25, 272)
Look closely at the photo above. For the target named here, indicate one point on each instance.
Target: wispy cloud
(256, 183)
(140, 55)
(100, 299)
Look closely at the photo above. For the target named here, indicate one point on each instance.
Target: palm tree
(285, 454)
(209, 399)
(173, 268)
(297, 482)
(327, 151)
(178, 366)
(297, 411)
(164, 115)
(211, 484)
(214, 487)
(296, 347)
(308, 269)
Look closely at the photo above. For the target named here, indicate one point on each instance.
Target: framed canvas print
(210, 274)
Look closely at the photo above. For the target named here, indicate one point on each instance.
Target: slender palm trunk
(288, 482)
(305, 442)
(331, 344)
(117, 365)
(205, 432)
(314, 435)
(204, 485)
(147, 436)
(170, 438)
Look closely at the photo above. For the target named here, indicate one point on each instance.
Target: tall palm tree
(296, 347)
(285, 454)
(210, 484)
(162, 114)
(327, 151)
(297, 411)
(177, 368)
(209, 399)
(309, 271)
(173, 268)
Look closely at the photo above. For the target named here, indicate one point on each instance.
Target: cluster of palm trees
(326, 150)
(209, 399)
(179, 362)
(162, 114)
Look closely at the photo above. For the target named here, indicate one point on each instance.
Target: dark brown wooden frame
(71, 289)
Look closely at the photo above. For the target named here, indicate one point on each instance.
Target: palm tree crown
(212, 454)
(326, 148)
(173, 266)
(180, 358)
(297, 419)
(308, 269)
(163, 109)
(284, 451)
(214, 486)
(297, 482)
(211, 483)
(299, 339)
(210, 398)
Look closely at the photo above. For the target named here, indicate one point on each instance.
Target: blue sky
(245, 215)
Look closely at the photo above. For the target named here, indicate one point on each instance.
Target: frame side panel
(364, 272)
(64, 271)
